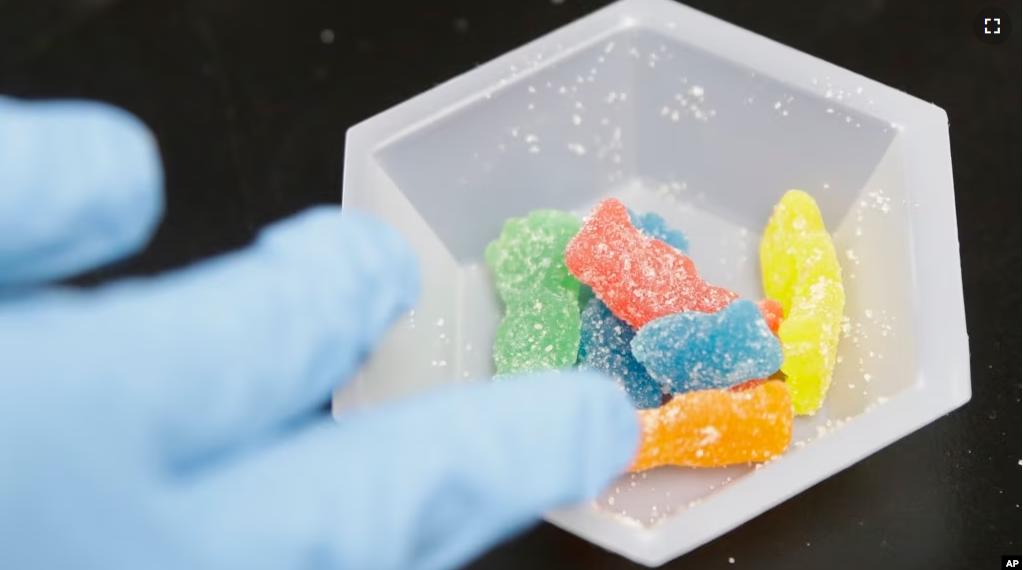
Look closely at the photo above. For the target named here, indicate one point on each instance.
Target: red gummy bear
(639, 278)
(748, 385)
(773, 313)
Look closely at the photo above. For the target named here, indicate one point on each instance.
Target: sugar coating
(700, 351)
(714, 428)
(540, 331)
(795, 215)
(604, 346)
(530, 253)
(655, 226)
(809, 338)
(638, 277)
(801, 270)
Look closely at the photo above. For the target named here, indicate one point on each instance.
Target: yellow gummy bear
(801, 270)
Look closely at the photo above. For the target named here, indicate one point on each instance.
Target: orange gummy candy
(639, 278)
(714, 428)
(773, 313)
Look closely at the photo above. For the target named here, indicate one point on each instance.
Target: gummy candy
(699, 351)
(772, 312)
(749, 384)
(795, 215)
(639, 278)
(714, 428)
(800, 270)
(654, 225)
(540, 331)
(530, 253)
(604, 346)
(809, 338)
(605, 343)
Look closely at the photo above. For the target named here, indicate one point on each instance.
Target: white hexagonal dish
(674, 111)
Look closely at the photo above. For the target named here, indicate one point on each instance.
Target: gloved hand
(171, 422)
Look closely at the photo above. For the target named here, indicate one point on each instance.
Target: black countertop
(250, 105)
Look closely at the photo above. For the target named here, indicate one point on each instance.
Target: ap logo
(1011, 562)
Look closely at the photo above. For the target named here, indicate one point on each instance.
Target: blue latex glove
(171, 422)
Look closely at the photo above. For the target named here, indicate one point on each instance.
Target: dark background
(250, 106)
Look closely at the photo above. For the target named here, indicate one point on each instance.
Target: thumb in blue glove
(170, 422)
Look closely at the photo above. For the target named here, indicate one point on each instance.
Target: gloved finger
(227, 349)
(80, 185)
(422, 484)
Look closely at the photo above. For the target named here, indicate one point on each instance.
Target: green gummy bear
(540, 331)
(530, 254)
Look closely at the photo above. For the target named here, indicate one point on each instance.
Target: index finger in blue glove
(80, 185)
(225, 350)
(423, 484)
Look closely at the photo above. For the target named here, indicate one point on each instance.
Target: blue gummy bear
(653, 225)
(604, 346)
(700, 351)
